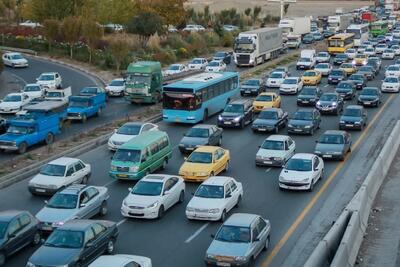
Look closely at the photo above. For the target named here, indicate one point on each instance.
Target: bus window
(181, 101)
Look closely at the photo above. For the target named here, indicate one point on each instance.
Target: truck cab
(61, 95)
(82, 107)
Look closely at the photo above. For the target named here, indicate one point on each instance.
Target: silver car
(239, 240)
(77, 201)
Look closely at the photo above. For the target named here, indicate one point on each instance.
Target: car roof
(118, 260)
(74, 189)
(63, 161)
(47, 73)
(217, 180)
(8, 215)
(334, 132)
(241, 219)
(80, 224)
(354, 107)
(157, 177)
(134, 123)
(12, 53)
(303, 156)
(277, 137)
(206, 148)
(268, 93)
(16, 94)
(204, 126)
(32, 84)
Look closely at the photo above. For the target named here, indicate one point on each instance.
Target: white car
(291, 85)
(361, 49)
(128, 131)
(58, 174)
(390, 85)
(121, 260)
(370, 51)
(392, 71)
(380, 48)
(30, 24)
(198, 63)
(15, 60)
(275, 151)
(153, 195)
(214, 198)
(305, 63)
(13, 103)
(175, 69)
(388, 54)
(194, 28)
(396, 49)
(116, 87)
(396, 33)
(323, 57)
(275, 79)
(215, 66)
(33, 90)
(301, 172)
(50, 80)
(351, 53)
(389, 37)
(324, 68)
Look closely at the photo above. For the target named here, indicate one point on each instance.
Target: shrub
(227, 39)
(212, 39)
(197, 44)
(154, 43)
(175, 41)
(182, 53)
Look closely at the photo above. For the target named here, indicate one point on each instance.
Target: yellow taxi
(266, 100)
(203, 162)
(348, 68)
(360, 59)
(311, 77)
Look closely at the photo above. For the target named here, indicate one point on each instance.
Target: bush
(197, 44)
(227, 39)
(182, 53)
(154, 43)
(175, 41)
(212, 39)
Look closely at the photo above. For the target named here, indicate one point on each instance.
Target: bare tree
(92, 32)
(51, 28)
(120, 47)
(71, 29)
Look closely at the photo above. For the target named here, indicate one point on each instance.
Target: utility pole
(283, 2)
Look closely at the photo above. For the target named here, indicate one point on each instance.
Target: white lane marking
(110, 182)
(121, 222)
(201, 229)
(267, 170)
(17, 77)
(326, 85)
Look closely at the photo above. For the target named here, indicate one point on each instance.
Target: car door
(88, 253)
(94, 202)
(167, 194)
(79, 172)
(15, 240)
(234, 194)
(71, 175)
(220, 160)
(262, 230)
(291, 145)
(212, 137)
(101, 238)
(83, 207)
(227, 197)
(316, 119)
(27, 231)
(255, 242)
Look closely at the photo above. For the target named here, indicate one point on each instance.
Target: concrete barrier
(19, 50)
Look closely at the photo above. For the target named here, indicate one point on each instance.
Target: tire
(85, 179)
(160, 212)
(251, 262)
(49, 138)
(205, 116)
(238, 201)
(322, 175)
(267, 242)
(164, 165)
(103, 209)
(242, 124)
(311, 186)
(22, 148)
(223, 216)
(78, 264)
(226, 166)
(35, 240)
(312, 131)
(220, 141)
(110, 247)
(212, 174)
(181, 197)
(2, 258)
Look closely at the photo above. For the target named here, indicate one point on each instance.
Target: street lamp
(283, 2)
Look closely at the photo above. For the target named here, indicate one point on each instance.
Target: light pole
(283, 2)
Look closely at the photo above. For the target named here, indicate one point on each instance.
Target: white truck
(339, 23)
(339, 11)
(254, 47)
(295, 26)
(61, 95)
(307, 59)
(293, 41)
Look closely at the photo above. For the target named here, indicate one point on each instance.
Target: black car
(375, 66)
(367, 71)
(309, 96)
(339, 59)
(346, 90)
(308, 39)
(76, 243)
(354, 117)
(252, 87)
(336, 76)
(237, 114)
(377, 61)
(226, 57)
(358, 80)
(3, 125)
(369, 96)
(200, 135)
(270, 119)
(330, 103)
(17, 230)
(304, 121)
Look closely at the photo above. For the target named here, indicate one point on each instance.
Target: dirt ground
(301, 8)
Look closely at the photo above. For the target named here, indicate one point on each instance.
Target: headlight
(341, 122)
(237, 119)
(278, 158)
(290, 125)
(133, 169)
(113, 168)
(307, 126)
(189, 209)
(317, 152)
(337, 153)
(152, 206)
(240, 258)
(52, 186)
(318, 103)
(357, 122)
(213, 211)
(353, 62)
(210, 256)
(57, 224)
(334, 104)
(220, 118)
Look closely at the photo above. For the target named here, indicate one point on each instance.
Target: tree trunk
(90, 55)
(70, 50)
(49, 46)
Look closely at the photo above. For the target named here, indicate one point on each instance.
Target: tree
(92, 32)
(51, 28)
(71, 29)
(119, 46)
(172, 11)
(146, 24)
(256, 12)
(285, 8)
(40, 10)
(247, 12)
(207, 15)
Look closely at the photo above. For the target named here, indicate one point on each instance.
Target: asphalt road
(173, 240)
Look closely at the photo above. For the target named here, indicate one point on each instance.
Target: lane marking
(323, 188)
(110, 182)
(267, 170)
(121, 222)
(193, 236)
(326, 85)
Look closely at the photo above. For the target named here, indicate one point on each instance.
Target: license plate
(40, 190)
(228, 122)
(223, 264)
(305, 101)
(262, 130)
(177, 119)
(47, 228)
(267, 162)
(327, 156)
(297, 130)
(122, 175)
(349, 125)
(247, 92)
(367, 103)
(325, 108)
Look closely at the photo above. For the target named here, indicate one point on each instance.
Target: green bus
(379, 27)
(144, 82)
(141, 155)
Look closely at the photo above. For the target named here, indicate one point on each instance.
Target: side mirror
(142, 160)
(88, 245)
(212, 236)
(129, 189)
(316, 169)
(37, 79)
(185, 158)
(192, 193)
(82, 205)
(316, 141)
(256, 239)
(115, 130)
(46, 202)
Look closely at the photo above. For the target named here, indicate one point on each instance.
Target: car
(367, 71)
(346, 90)
(275, 79)
(200, 135)
(304, 121)
(369, 51)
(330, 103)
(226, 57)
(309, 96)
(172, 29)
(381, 39)
(238, 113)
(116, 87)
(13, 102)
(266, 100)
(33, 90)
(215, 66)
(112, 27)
(305, 63)
(380, 48)
(214, 198)
(76, 201)
(360, 60)
(388, 54)
(358, 80)
(336, 76)
(230, 28)
(291, 85)
(275, 151)
(175, 69)
(340, 58)
(30, 24)
(281, 69)
(324, 68)
(92, 90)
(369, 96)
(239, 241)
(121, 260)
(76, 243)
(361, 49)
(333, 144)
(59, 173)
(18, 229)
(204, 162)
(322, 57)
(198, 63)
(270, 119)
(375, 66)
(396, 49)
(353, 117)
(193, 28)
(327, 33)
(311, 77)
(390, 85)
(351, 53)
(308, 39)
(348, 68)
(50, 80)
(15, 60)
(252, 87)
(128, 131)
(393, 71)
(375, 60)
(388, 37)
(318, 36)
(152, 196)
(301, 172)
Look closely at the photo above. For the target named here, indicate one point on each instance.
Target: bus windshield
(138, 79)
(336, 43)
(180, 101)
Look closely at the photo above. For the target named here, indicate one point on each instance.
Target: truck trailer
(339, 23)
(295, 26)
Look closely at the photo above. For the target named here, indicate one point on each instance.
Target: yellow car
(348, 68)
(266, 100)
(360, 59)
(203, 162)
(311, 77)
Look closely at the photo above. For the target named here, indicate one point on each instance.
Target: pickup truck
(82, 107)
(61, 95)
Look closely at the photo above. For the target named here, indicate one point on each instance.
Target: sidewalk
(380, 247)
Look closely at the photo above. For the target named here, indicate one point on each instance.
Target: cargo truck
(81, 107)
(295, 26)
(339, 23)
(254, 47)
(61, 95)
(293, 41)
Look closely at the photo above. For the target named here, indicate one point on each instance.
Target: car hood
(249, 87)
(123, 138)
(230, 114)
(271, 153)
(75, 109)
(326, 102)
(10, 104)
(46, 82)
(343, 90)
(389, 84)
(51, 215)
(300, 122)
(329, 147)
(206, 203)
(50, 256)
(228, 248)
(195, 167)
(275, 79)
(296, 176)
(350, 118)
(22, 60)
(289, 85)
(264, 122)
(193, 141)
(140, 201)
(368, 97)
(46, 180)
(12, 137)
(116, 88)
(307, 96)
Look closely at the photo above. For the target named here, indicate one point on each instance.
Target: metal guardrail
(20, 50)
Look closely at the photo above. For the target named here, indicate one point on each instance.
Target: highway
(174, 241)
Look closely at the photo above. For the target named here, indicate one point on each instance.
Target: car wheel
(322, 174)
(226, 166)
(182, 197)
(164, 165)
(251, 262)
(22, 148)
(160, 212)
(220, 141)
(242, 124)
(49, 138)
(311, 186)
(223, 216)
(103, 208)
(266, 246)
(205, 115)
(36, 239)
(238, 201)
(85, 179)
(2, 258)
(312, 131)
(110, 246)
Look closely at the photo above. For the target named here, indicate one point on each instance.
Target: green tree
(247, 12)
(51, 28)
(256, 13)
(40, 10)
(172, 11)
(146, 24)
(71, 30)
(119, 46)
(92, 32)
(285, 8)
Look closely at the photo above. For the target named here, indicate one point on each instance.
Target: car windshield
(388, 51)
(303, 115)
(273, 145)
(200, 157)
(310, 74)
(46, 77)
(3, 229)
(356, 77)
(369, 50)
(331, 139)
(127, 155)
(198, 132)
(65, 239)
(63, 201)
(337, 73)
(12, 98)
(276, 75)
(350, 51)
(301, 165)
(344, 86)
(369, 92)
(196, 61)
(352, 112)
(219, 54)
(89, 90)
(138, 79)
(174, 67)
(280, 69)
(53, 170)
(79, 104)
(16, 56)
(32, 88)
(213, 63)
(322, 66)
(305, 59)
(290, 81)
(233, 234)
(264, 98)
(328, 97)
(268, 115)
(391, 80)
(308, 91)
(117, 83)
(210, 191)
(322, 54)
(129, 129)
(252, 82)
(19, 129)
(347, 66)
(341, 56)
(393, 68)
(145, 188)
(234, 108)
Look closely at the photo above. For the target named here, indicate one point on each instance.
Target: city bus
(379, 27)
(360, 33)
(195, 98)
(339, 43)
